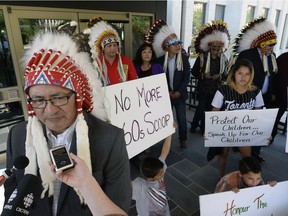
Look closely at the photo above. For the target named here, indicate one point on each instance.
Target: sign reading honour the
(254, 201)
(142, 109)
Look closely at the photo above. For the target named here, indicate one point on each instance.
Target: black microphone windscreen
(22, 198)
(21, 162)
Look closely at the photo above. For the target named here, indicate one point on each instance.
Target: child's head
(250, 171)
(240, 68)
(152, 168)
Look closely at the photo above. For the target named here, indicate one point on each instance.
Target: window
(250, 13)
(140, 27)
(7, 72)
(277, 17)
(265, 12)
(219, 12)
(199, 16)
(285, 43)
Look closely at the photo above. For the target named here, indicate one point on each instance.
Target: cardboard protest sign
(142, 109)
(239, 127)
(261, 200)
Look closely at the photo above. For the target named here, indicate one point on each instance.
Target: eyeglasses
(56, 101)
(271, 45)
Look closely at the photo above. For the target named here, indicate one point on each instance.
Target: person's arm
(79, 177)
(166, 147)
(132, 74)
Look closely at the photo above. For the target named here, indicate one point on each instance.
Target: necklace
(145, 67)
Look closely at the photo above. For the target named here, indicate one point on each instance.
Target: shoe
(259, 158)
(183, 144)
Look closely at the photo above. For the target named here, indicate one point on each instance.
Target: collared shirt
(171, 70)
(61, 139)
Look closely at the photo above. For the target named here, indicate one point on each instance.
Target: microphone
(19, 163)
(22, 198)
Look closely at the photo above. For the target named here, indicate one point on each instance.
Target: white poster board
(286, 148)
(142, 109)
(239, 127)
(256, 201)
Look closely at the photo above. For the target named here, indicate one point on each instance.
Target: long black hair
(138, 58)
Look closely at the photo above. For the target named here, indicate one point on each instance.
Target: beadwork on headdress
(211, 34)
(257, 33)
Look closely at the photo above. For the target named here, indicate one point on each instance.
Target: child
(149, 192)
(240, 93)
(249, 175)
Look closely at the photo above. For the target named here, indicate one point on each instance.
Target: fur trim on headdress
(54, 59)
(215, 34)
(257, 33)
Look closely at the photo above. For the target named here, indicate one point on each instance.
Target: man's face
(56, 118)
(111, 50)
(216, 51)
(269, 49)
(174, 49)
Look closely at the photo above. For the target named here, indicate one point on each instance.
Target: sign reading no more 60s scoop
(143, 110)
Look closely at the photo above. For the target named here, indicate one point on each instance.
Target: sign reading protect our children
(239, 127)
(255, 201)
(142, 109)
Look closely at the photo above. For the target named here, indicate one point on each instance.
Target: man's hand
(174, 94)
(73, 177)
(208, 76)
(216, 76)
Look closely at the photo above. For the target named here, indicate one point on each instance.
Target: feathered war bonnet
(212, 35)
(101, 34)
(257, 33)
(162, 36)
(54, 59)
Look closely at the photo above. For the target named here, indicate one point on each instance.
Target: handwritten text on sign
(239, 127)
(261, 200)
(142, 109)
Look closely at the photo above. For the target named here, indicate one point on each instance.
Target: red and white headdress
(54, 59)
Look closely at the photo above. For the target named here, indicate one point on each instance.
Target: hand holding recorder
(80, 177)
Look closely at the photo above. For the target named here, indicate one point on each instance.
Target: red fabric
(113, 73)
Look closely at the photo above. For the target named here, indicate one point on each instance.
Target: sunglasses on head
(271, 45)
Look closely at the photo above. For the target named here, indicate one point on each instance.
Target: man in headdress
(255, 42)
(105, 46)
(61, 86)
(209, 68)
(177, 68)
